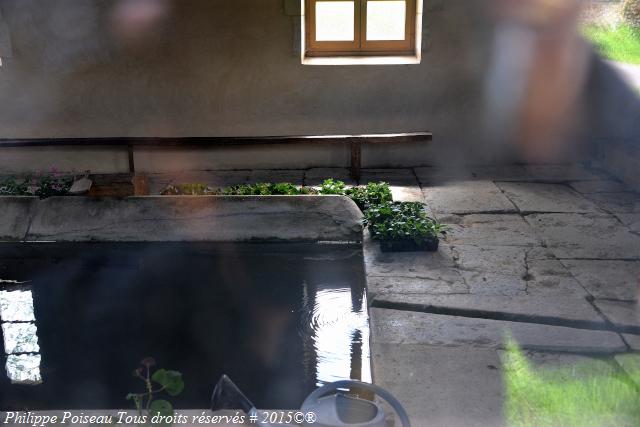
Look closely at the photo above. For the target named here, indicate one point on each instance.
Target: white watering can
(329, 404)
(335, 409)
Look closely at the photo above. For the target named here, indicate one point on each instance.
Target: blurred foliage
(621, 43)
(267, 189)
(631, 12)
(189, 190)
(581, 395)
(41, 185)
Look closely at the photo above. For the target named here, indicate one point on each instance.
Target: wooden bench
(355, 142)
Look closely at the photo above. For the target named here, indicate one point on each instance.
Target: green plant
(631, 12)
(266, 189)
(41, 185)
(155, 383)
(332, 187)
(374, 193)
(621, 43)
(392, 221)
(588, 394)
(189, 190)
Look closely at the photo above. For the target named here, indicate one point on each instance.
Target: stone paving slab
(621, 202)
(490, 230)
(442, 386)
(215, 179)
(630, 363)
(566, 311)
(550, 278)
(443, 281)
(494, 283)
(405, 264)
(432, 176)
(601, 186)
(508, 270)
(536, 197)
(561, 173)
(316, 176)
(465, 197)
(400, 327)
(624, 315)
(408, 194)
(15, 215)
(630, 220)
(501, 173)
(607, 279)
(633, 341)
(495, 259)
(591, 236)
(402, 177)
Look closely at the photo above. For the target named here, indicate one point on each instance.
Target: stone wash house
(496, 114)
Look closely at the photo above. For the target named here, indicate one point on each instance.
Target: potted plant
(403, 227)
(373, 194)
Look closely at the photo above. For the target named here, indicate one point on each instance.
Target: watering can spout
(226, 395)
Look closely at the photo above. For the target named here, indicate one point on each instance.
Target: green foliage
(374, 193)
(170, 380)
(40, 185)
(161, 407)
(621, 43)
(402, 221)
(189, 190)
(155, 383)
(332, 187)
(589, 394)
(631, 12)
(267, 189)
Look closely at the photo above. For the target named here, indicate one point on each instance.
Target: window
(360, 27)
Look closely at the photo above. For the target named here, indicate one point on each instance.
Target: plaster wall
(223, 68)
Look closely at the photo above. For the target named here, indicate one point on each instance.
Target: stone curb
(181, 218)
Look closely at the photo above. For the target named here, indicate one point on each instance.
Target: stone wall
(221, 68)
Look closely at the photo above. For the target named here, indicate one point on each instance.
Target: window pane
(335, 20)
(386, 20)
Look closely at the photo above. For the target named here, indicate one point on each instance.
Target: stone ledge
(401, 327)
(183, 218)
(15, 215)
(553, 311)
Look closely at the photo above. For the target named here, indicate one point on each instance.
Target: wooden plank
(214, 141)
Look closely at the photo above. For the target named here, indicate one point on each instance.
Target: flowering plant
(42, 185)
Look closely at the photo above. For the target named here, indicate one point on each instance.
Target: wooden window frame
(360, 46)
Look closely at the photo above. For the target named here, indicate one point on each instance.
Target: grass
(621, 43)
(584, 395)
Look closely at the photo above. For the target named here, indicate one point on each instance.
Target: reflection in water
(20, 336)
(337, 327)
(278, 319)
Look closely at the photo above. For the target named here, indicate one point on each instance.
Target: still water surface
(77, 318)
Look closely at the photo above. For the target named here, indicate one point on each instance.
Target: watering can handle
(327, 388)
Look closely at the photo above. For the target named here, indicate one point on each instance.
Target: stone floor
(549, 254)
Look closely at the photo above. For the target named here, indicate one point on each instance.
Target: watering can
(331, 406)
